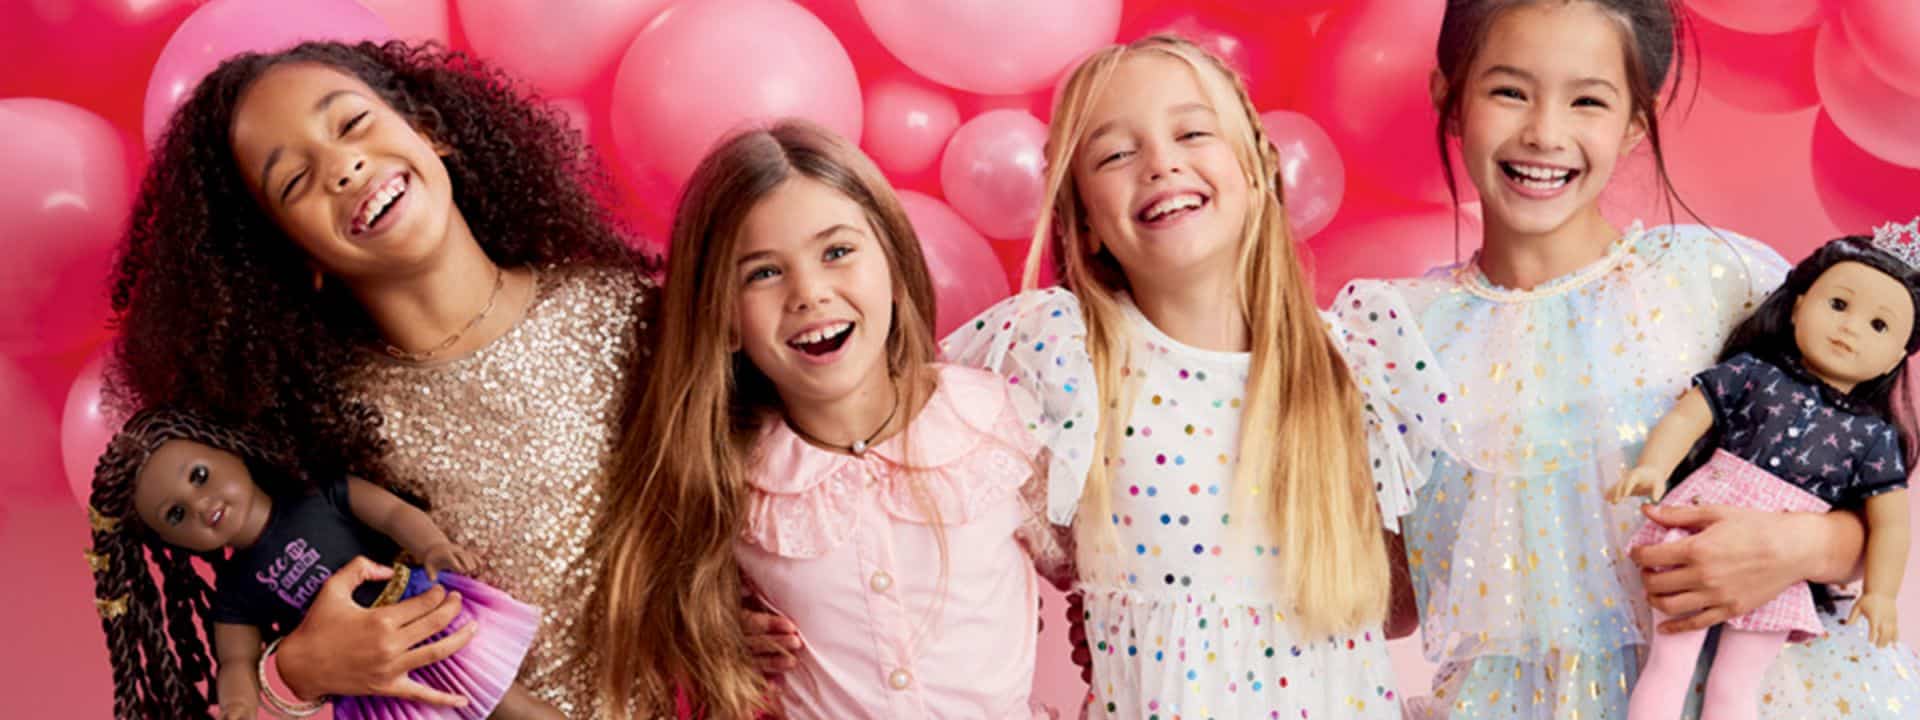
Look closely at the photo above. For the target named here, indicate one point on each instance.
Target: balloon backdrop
(63, 204)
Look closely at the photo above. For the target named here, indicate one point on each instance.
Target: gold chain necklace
(499, 281)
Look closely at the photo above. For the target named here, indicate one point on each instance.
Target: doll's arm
(237, 647)
(409, 526)
(1667, 445)
(1886, 562)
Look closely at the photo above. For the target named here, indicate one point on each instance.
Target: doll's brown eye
(175, 514)
(1837, 304)
(198, 475)
(1879, 325)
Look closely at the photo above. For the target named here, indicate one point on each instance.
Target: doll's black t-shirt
(1802, 430)
(308, 537)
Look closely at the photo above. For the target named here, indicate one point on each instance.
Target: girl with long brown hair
(801, 436)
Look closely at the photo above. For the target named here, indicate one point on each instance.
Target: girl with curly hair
(173, 487)
(396, 264)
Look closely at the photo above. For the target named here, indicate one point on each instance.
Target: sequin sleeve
(1401, 403)
(1036, 341)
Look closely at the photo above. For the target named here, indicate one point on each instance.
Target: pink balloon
(85, 427)
(556, 46)
(1392, 244)
(1311, 174)
(1760, 73)
(1760, 17)
(907, 123)
(1886, 34)
(103, 51)
(704, 69)
(967, 277)
(1858, 190)
(30, 442)
(222, 28)
(993, 47)
(994, 172)
(413, 20)
(63, 204)
(1876, 116)
(1368, 88)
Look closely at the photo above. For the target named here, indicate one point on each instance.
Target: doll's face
(1852, 324)
(199, 498)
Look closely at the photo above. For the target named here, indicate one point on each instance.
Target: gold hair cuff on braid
(101, 523)
(95, 560)
(111, 608)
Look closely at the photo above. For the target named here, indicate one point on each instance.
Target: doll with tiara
(172, 487)
(1797, 417)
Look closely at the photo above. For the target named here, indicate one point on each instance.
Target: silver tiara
(1900, 241)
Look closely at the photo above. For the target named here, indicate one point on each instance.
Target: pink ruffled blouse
(850, 549)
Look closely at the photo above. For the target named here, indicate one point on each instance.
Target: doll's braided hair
(153, 633)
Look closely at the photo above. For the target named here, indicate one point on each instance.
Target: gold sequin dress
(1538, 400)
(510, 445)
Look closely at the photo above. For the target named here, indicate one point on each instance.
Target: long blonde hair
(669, 592)
(1301, 441)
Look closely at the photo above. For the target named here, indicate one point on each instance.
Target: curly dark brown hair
(215, 303)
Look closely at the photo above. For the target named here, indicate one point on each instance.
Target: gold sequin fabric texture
(510, 446)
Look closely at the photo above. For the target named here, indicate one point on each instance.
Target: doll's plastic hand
(448, 556)
(1642, 481)
(1883, 627)
(240, 710)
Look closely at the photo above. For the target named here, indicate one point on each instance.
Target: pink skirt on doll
(1728, 480)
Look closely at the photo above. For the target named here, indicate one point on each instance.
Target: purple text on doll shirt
(295, 575)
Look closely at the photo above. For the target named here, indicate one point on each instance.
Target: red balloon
(1876, 116)
(1269, 51)
(30, 443)
(1760, 73)
(994, 171)
(1858, 190)
(706, 69)
(63, 205)
(103, 51)
(86, 427)
(1311, 174)
(558, 47)
(1390, 244)
(1368, 87)
(967, 277)
(1760, 17)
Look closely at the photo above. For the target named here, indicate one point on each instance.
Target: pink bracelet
(282, 707)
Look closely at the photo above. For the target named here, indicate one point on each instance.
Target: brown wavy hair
(215, 303)
(669, 590)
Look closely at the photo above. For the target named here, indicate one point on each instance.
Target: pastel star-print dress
(1529, 604)
(1184, 614)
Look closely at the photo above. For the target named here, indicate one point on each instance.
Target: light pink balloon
(63, 205)
(907, 124)
(702, 70)
(1311, 173)
(1886, 34)
(1760, 17)
(1858, 190)
(413, 20)
(994, 171)
(222, 28)
(31, 441)
(86, 426)
(1760, 73)
(992, 47)
(1384, 243)
(967, 277)
(557, 46)
(1876, 116)
(1367, 86)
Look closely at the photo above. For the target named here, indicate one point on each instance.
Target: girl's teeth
(821, 334)
(1168, 206)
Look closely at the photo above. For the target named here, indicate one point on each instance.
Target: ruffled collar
(1475, 281)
